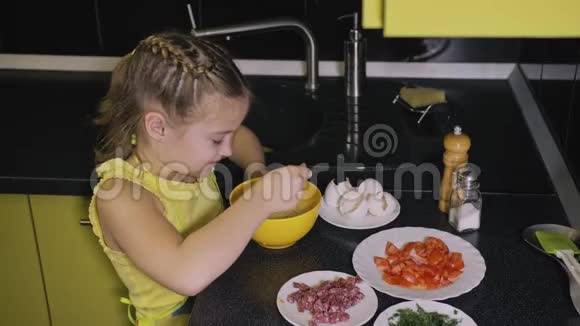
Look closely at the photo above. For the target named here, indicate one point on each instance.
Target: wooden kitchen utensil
(456, 145)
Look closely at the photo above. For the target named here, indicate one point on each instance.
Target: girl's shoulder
(116, 167)
(118, 195)
(120, 186)
(117, 206)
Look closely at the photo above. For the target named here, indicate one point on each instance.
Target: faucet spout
(274, 25)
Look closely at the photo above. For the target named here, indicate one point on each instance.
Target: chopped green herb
(420, 317)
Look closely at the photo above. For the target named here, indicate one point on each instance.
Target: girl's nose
(226, 149)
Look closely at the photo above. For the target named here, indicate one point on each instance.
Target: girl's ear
(155, 125)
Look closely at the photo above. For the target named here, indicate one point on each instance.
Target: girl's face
(196, 147)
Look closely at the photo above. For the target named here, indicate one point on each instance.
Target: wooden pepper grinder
(456, 145)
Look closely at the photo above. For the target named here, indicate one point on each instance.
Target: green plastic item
(553, 241)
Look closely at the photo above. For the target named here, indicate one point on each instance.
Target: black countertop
(520, 287)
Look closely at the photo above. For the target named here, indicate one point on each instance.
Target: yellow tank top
(187, 206)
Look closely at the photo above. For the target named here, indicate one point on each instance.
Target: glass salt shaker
(465, 203)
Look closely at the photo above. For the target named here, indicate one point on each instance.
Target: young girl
(173, 110)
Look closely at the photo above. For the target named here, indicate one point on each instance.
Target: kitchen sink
(283, 116)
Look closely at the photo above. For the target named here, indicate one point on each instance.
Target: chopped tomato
(382, 263)
(456, 261)
(420, 265)
(391, 250)
(435, 257)
(398, 268)
(392, 279)
(421, 250)
(452, 275)
(407, 249)
(409, 277)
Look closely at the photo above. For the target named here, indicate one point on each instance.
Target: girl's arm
(247, 152)
(187, 265)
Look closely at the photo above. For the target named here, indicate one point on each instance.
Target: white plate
(374, 245)
(334, 217)
(429, 306)
(359, 314)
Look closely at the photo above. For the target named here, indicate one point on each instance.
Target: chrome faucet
(270, 25)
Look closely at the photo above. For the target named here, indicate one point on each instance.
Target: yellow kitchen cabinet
(23, 301)
(81, 285)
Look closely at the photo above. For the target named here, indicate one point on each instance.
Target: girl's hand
(255, 170)
(281, 189)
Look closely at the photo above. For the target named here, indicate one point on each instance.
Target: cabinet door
(23, 301)
(50, 27)
(81, 284)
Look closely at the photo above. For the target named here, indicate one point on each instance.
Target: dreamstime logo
(380, 140)
(419, 175)
(170, 181)
(280, 185)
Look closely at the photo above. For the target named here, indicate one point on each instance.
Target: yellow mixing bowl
(283, 229)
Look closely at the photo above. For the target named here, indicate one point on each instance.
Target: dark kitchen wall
(48, 27)
(112, 28)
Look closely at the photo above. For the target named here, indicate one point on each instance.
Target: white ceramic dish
(359, 314)
(334, 217)
(429, 306)
(374, 245)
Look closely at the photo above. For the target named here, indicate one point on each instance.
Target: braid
(175, 55)
(177, 71)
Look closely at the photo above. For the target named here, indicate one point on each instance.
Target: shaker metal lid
(468, 172)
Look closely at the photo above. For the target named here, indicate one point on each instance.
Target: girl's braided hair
(174, 69)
